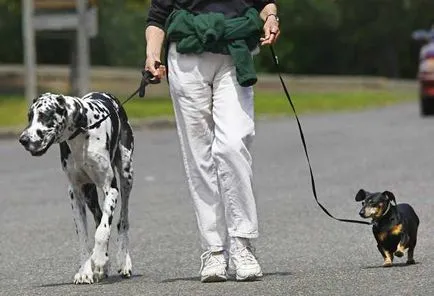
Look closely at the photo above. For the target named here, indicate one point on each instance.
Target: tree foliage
(369, 37)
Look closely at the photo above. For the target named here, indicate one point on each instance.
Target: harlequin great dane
(92, 159)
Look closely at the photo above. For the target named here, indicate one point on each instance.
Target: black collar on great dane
(79, 119)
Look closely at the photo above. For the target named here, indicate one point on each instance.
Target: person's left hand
(271, 31)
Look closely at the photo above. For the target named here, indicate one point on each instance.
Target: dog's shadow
(197, 279)
(113, 279)
(397, 265)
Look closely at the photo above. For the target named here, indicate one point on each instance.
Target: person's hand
(271, 30)
(153, 65)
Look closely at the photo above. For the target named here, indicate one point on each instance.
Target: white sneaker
(213, 267)
(243, 261)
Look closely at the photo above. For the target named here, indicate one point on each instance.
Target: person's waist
(171, 46)
(183, 24)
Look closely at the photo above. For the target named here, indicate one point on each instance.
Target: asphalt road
(302, 251)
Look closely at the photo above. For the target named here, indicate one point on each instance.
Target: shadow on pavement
(108, 281)
(394, 265)
(231, 278)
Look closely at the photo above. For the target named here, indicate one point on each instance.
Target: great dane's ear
(60, 100)
(361, 195)
(390, 196)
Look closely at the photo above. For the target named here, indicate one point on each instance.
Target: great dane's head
(47, 119)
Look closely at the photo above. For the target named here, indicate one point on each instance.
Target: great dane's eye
(42, 117)
(45, 117)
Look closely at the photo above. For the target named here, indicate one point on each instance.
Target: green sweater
(212, 32)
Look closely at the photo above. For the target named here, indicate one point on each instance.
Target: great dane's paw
(100, 273)
(84, 275)
(83, 278)
(100, 267)
(125, 267)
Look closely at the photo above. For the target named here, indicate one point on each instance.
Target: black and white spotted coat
(97, 160)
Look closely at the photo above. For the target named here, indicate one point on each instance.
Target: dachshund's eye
(363, 203)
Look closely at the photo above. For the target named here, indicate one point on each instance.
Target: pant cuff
(215, 248)
(244, 234)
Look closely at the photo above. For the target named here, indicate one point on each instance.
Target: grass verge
(13, 109)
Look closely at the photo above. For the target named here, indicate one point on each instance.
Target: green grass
(329, 101)
(13, 109)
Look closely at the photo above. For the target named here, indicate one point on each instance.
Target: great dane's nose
(24, 140)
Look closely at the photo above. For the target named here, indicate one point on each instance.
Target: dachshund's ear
(390, 196)
(361, 195)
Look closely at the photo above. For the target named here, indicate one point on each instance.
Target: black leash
(147, 78)
(303, 140)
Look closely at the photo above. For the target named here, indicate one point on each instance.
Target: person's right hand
(151, 62)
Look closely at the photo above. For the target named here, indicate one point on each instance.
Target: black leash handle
(303, 140)
(148, 78)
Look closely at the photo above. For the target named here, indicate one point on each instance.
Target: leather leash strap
(303, 140)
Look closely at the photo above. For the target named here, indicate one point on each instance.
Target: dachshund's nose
(362, 213)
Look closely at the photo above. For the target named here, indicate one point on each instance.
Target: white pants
(215, 124)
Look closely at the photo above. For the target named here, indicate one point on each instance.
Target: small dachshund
(394, 225)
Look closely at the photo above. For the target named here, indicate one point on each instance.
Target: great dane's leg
(124, 166)
(102, 235)
(78, 205)
(91, 197)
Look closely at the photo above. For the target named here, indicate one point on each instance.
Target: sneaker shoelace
(246, 255)
(209, 258)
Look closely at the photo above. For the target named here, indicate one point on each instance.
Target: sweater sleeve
(260, 4)
(158, 13)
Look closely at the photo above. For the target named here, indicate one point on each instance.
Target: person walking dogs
(209, 49)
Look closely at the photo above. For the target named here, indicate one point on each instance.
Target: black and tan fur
(394, 225)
